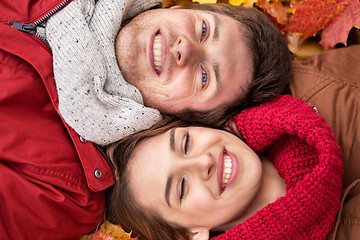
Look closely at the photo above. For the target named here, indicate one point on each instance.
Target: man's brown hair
(271, 60)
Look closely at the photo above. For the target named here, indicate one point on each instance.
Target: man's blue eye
(204, 78)
(203, 31)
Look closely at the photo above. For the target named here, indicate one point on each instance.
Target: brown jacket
(331, 83)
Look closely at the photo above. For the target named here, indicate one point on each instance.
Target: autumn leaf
(303, 50)
(248, 3)
(109, 231)
(338, 30)
(313, 15)
(205, 1)
(99, 235)
(276, 10)
(167, 3)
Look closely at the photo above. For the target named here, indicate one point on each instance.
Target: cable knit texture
(94, 98)
(307, 156)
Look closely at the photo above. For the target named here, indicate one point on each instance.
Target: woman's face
(195, 177)
(185, 59)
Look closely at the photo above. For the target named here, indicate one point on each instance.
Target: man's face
(185, 59)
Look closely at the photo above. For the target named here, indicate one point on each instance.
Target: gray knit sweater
(94, 98)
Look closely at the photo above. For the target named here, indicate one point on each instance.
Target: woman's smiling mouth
(227, 170)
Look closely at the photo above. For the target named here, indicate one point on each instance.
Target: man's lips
(158, 52)
(227, 170)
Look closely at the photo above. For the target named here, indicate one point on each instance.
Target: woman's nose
(186, 51)
(202, 165)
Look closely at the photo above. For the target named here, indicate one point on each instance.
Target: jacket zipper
(102, 152)
(31, 27)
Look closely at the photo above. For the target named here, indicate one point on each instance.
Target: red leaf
(313, 15)
(277, 11)
(338, 30)
(99, 235)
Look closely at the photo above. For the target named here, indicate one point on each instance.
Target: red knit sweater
(307, 156)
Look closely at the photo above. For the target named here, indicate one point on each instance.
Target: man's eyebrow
(167, 191)
(217, 75)
(215, 39)
(216, 27)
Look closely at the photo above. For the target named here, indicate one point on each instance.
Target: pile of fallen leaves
(310, 26)
(108, 231)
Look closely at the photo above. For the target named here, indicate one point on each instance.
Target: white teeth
(157, 52)
(228, 165)
(227, 171)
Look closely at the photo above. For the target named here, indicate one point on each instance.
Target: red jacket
(51, 182)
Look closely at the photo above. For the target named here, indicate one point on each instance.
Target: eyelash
(186, 145)
(182, 189)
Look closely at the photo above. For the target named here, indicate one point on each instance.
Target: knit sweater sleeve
(306, 154)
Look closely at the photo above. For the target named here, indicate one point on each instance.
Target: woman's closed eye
(182, 189)
(186, 143)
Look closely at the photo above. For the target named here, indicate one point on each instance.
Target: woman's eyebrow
(167, 191)
(169, 180)
(172, 139)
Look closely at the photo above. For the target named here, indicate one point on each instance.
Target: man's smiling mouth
(157, 52)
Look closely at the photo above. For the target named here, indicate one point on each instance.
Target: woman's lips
(157, 53)
(227, 169)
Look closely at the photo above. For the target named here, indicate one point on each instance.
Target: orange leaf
(313, 15)
(338, 29)
(99, 235)
(276, 10)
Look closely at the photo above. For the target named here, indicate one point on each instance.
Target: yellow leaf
(237, 2)
(248, 3)
(117, 232)
(303, 50)
(206, 1)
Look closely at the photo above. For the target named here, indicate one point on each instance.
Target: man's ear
(175, 7)
(200, 234)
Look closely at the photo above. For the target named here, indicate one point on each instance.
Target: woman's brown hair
(121, 206)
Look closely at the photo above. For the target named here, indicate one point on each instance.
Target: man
(53, 178)
(182, 62)
(211, 63)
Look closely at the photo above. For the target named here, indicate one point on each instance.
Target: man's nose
(186, 51)
(202, 165)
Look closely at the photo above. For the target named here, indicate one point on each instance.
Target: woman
(185, 182)
(52, 179)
